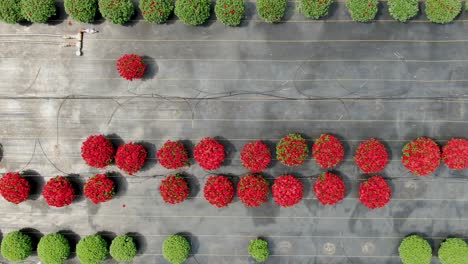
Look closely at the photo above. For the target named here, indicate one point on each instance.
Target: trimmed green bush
(415, 250)
(53, 249)
(176, 249)
(117, 12)
(156, 11)
(38, 11)
(123, 248)
(81, 10)
(258, 249)
(314, 9)
(10, 11)
(403, 10)
(16, 246)
(362, 10)
(193, 12)
(230, 12)
(453, 251)
(271, 11)
(442, 11)
(92, 250)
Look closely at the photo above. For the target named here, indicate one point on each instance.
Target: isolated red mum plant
(174, 189)
(421, 156)
(99, 188)
(255, 156)
(329, 188)
(455, 154)
(328, 151)
(14, 188)
(131, 66)
(287, 190)
(130, 157)
(218, 191)
(173, 155)
(375, 192)
(252, 190)
(209, 153)
(58, 192)
(371, 156)
(97, 151)
(292, 150)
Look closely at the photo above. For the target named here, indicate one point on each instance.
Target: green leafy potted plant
(314, 9)
(230, 12)
(53, 249)
(271, 11)
(38, 11)
(443, 11)
(92, 249)
(403, 10)
(415, 250)
(81, 10)
(193, 12)
(362, 10)
(156, 11)
(123, 248)
(176, 249)
(453, 251)
(117, 12)
(10, 11)
(16, 246)
(258, 250)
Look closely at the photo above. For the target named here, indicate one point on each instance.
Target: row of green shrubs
(229, 12)
(416, 250)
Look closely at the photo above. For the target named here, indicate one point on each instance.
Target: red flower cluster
(130, 157)
(421, 156)
(455, 154)
(14, 188)
(371, 156)
(58, 192)
(375, 192)
(252, 190)
(174, 189)
(328, 151)
(173, 155)
(218, 191)
(99, 188)
(209, 153)
(292, 150)
(329, 189)
(97, 151)
(287, 190)
(255, 156)
(131, 66)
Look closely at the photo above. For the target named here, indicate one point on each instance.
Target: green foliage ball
(258, 249)
(117, 11)
(10, 11)
(92, 250)
(453, 251)
(415, 250)
(176, 249)
(443, 11)
(271, 11)
(156, 11)
(81, 10)
(230, 12)
(53, 249)
(362, 10)
(38, 11)
(123, 248)
(16, 246)
(403, 10)
(193, 12)
(315, 9)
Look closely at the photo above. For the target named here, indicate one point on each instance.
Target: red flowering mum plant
(173, 155)
(99, 189)
(455, 154)
(130, 157)
(328, 151)
(287, 190)
(97, 151)
(14, 188)
(209, 153)
(329, 188)
(131, 66)
(255, 156)
(421, 156)
(218, 191)
(58, 192)
(292, 150)
(174, 189)
(252, 190)
(375, 192)
(371, 156)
